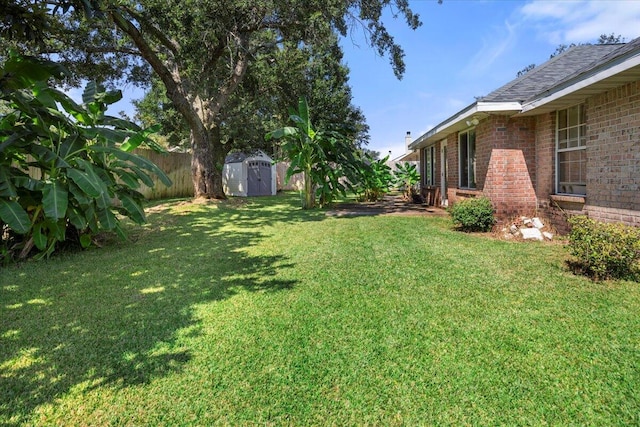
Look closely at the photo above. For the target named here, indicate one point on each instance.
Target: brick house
(562, 139)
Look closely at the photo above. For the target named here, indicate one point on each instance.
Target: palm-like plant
(64, 165)
(321, 156)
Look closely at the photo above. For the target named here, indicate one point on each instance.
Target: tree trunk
(309, 193)
(207, 162)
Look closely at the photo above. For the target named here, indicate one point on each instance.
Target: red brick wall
(506, 164)
(452, 167)
(613, 161)
(613, 154)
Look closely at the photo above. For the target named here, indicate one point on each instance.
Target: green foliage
(62, 165)
(321, 156)
(407, 176)
(474, 214)
(604, 250)
(373, 179)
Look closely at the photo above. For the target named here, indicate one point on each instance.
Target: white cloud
(582, 20)
(493, 47)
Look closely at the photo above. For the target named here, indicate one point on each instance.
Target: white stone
(547, 235)
(527, 221)
(513, 229)
(531, 234)
(537, 223)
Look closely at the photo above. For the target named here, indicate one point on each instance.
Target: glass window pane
(573, 138)
(574, 116)
(562, 139)
(572, 166)
(562, 119)
(472, 159)
(464, 160)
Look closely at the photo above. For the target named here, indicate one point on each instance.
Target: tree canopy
(200, 50)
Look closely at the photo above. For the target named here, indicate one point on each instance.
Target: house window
(571, 151)
(467, 156)
(430, 165)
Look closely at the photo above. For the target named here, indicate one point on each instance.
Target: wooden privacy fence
(177, 166)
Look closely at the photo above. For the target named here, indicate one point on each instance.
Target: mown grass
(260, 313)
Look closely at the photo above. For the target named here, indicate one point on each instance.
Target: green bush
(474, 214)
(605, 250)
(67, 172)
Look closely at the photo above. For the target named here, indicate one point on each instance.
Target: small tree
(320, 156)
(407, 177)
(373, 179)
(65, 169)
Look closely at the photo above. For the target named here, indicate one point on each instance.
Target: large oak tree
(200, 49)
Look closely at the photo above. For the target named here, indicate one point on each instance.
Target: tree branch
(171, 79)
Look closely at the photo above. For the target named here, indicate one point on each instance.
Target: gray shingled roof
(573, 61)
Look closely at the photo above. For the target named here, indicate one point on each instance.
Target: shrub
(605, 250)
(473, 214)
(67, 172)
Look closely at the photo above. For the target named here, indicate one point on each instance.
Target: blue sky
(465, 48)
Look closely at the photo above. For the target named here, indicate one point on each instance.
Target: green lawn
(260, 313)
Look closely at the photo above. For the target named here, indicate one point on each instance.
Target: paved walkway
(389, 205)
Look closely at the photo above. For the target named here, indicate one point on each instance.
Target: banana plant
(321, 156)
(407, 176)
(374, 179)
(64, 165)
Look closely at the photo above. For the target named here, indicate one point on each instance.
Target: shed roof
(239, 157)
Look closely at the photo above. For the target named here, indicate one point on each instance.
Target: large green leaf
(7, 188)
(89, 183)
(76, 218)
(71, 146)
(89, 92)
(107, 219)
(129, 179)
(281, 133)
(14, 216)
(39, 238)
(137, 160)
(55, 200)
(133, 208)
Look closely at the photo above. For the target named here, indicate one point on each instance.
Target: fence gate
(259, 178)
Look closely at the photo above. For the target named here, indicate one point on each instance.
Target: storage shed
(249, 175)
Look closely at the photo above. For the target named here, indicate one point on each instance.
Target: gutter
(464, 119)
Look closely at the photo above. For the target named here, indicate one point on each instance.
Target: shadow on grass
(115, 316)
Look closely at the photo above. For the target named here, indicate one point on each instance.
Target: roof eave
(583, 86)
(459, 121)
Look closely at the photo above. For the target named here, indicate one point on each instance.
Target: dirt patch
(389, 205)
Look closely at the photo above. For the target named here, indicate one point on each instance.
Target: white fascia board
(584, 82)
(476, 109)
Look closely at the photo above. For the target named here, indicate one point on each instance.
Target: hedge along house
(563, 139)
(249, 175)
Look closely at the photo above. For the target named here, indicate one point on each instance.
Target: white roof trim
(582, 83)
(443, 129)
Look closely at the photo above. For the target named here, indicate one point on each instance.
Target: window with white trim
(467, 158)
(430, 165)
(571, 151)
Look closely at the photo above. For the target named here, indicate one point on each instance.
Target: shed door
(259, 178)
